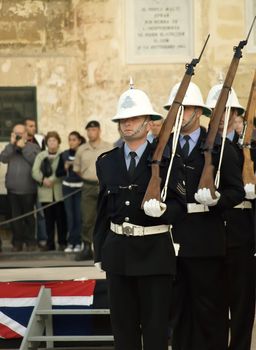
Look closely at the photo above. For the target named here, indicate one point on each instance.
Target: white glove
(250, 191)
(204, 197)
(154, 208)
(98, 266)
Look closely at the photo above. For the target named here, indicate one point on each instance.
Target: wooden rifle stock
(248, 168)
(207, 177)
(245, 143)
(153, 189)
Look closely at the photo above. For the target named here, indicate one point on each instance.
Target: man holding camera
(21, 188)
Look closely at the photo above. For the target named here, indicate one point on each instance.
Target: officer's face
(156, 127)
(135, 127)
(191, 119)
(233, 115)
(239, 124)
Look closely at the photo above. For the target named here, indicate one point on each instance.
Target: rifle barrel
(249, 33)
(206, 41)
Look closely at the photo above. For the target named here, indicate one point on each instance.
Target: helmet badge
(128, 103)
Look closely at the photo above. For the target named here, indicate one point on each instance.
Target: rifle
(207, 177)
(153, 189)
(245, 139)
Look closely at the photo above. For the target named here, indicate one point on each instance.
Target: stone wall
(73, 51)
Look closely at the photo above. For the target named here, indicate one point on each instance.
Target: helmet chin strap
(136, 131)
(190, 120)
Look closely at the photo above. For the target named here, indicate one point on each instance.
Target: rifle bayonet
(190, 66)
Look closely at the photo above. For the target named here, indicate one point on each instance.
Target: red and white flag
(17, 300)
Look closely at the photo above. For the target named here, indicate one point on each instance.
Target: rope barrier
(32, 212)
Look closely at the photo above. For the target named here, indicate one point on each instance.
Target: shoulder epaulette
(102, 155)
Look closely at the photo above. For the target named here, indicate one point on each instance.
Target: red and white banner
(18, 298)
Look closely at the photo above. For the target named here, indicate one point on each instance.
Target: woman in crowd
(71, 187)
(50, 191)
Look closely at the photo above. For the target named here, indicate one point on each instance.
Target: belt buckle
(127, 229)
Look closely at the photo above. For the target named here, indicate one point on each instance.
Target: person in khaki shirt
(84, 165)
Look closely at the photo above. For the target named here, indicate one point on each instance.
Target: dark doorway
(16, 104)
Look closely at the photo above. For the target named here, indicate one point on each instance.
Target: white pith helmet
(232, 101)
(193, 97)
(133, 103)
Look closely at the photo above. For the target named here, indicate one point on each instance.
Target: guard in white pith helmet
(193, 97)
(232, 103)
(133, 103)
(133, 245)
(240, 270)
(199, 299)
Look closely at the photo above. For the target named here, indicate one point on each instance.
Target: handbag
(46, 167)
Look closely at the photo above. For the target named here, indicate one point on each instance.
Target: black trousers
(23, 230)
(199, 305)
(240, 269)
(139, 308)
(55, 214)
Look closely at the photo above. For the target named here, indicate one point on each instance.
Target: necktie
(132, 165)
(185, 148)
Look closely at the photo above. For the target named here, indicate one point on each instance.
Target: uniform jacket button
(126, 219)
(127, 202)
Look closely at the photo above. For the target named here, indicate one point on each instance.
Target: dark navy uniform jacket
(203, 234)
(240, 222)
(120, 201)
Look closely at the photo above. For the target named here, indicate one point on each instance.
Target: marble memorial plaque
(159, 31)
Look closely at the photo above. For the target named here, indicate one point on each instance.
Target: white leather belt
(196, 208)
(244, 205)
(128, 229)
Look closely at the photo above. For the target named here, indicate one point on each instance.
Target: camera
(17, 138)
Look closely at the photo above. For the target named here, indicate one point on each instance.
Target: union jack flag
(17, 300)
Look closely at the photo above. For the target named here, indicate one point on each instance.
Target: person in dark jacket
(134, 245)
(71, 183)
(21, 188)
(240, 243)
(38, 139)
(200, 300)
